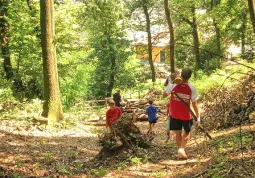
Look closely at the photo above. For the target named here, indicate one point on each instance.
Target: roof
(160, 37)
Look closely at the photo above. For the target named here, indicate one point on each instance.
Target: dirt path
(29, 152)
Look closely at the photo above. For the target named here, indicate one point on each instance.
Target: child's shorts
(167, 123)
(154, 121)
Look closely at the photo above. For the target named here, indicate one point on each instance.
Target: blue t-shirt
(152, 113)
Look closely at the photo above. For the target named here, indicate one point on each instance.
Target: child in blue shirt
(151, 111)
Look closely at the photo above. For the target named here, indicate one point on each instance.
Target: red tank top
(178, 109)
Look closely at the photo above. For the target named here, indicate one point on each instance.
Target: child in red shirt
(112, 114)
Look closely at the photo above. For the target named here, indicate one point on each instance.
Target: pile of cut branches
(225, 107)
(124, 133)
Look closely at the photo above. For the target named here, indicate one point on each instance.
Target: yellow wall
(142, 52)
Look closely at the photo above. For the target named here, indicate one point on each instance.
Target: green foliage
(49, 155)
(20, 162)
(75, 68)
(159, 174)
(136, 160)
(24, 44)
(36, 166)
(100, 172)
(122, 165)
(111, 49)
(210, 61)
(75, 87)
(64, 170)
(16, 175)
(93, 51)
(78, 165)
(219, 76)
(129, 77)
(5, 94)
(65, 124)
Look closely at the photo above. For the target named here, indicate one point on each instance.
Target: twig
(229, 171)
(193, 115)
(241, 120)
(229, 76)
(161, 112)
(219, 55)
(125, 139)
(204, 171)
(242, 64)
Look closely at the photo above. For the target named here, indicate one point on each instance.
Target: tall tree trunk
(217, 32)
(196, 43)
(171, 32)
(145, 9)
(4, 31)
(113, 68)
(214, 3)
(243, 30)
(196, 39)
(252, 15)
(52, 108)
(29, 4)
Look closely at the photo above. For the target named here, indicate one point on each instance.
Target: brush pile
(124, 133)
(225, 107)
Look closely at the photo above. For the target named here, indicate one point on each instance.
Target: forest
(63, 60)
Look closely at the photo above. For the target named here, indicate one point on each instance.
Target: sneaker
(182, 153)
(166, 139)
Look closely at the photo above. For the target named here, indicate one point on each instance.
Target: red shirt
(168, 105)
(112, 115)
(178, 109)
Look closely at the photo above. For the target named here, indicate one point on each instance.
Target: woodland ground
(71, 149)
(30, 151)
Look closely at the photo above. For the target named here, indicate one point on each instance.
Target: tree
(52, 108)
(194, 27)
(110, 48)
(186, 12)
(214, 3)
(252, 15)
(147, 16)
(4, 32)
(171, 32)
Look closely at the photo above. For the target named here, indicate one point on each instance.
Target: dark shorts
(154, 121)
(176, 124)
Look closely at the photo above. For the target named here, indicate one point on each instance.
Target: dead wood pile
(137, 107)
(124, 133)
(225, 107)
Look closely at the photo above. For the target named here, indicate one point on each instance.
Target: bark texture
(214, 3)
(252, 15)
(113, 68)
(193, 25)
(52, 108)
(145, 9)
(196, 39)
(171, 32)
(4, 32)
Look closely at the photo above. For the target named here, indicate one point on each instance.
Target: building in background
(160, 42)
